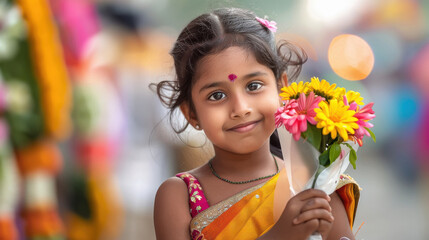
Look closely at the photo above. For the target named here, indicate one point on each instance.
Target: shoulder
(170, 186)
(171, 191)
(171, 210)
(202, 174)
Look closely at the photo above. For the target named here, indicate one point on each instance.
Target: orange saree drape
(249, 214)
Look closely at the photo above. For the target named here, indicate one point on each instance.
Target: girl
(229, 72)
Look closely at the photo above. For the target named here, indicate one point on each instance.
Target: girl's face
(236, 115)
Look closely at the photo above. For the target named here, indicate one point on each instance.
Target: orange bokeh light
(350, 57)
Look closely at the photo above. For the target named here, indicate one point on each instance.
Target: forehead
(233, 60)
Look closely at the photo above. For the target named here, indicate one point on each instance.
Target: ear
(189, 114)
(284, 80)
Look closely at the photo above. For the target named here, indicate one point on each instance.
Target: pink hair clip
(271, 25)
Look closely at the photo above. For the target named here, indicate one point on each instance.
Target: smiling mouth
(244, 127)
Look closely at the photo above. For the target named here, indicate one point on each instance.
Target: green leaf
(348, 145)
(371, 133)
(353, 158)
(314, 135)
(352, 155)
(334, 152)
(324, 158)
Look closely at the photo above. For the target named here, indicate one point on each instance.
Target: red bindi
(232, 77)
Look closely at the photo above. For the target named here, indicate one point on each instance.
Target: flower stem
(322, 147)
(319, 170)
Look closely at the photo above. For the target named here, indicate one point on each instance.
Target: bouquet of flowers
(332, 120)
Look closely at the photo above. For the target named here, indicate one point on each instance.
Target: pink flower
(363, 115)
(307, 104)
(286, 112)
(295, 114)
(271, 25)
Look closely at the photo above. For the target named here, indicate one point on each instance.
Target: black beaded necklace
(247, 181)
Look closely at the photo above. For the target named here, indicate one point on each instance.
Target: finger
(324, 228)
(315, 203)
(314, 214)
(312, 193)
(311, 226)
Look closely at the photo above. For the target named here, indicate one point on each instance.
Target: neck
(243, 165)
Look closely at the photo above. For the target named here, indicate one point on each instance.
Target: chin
(245, 147)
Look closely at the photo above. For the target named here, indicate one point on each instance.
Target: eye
(216, 96)
(253, 86)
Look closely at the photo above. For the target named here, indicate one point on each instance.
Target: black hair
(213, 32)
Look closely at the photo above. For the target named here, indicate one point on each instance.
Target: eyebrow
(247, 76)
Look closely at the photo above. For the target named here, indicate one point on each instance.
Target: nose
(240, 107)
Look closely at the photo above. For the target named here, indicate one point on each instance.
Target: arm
(171, 211)
(341, 226)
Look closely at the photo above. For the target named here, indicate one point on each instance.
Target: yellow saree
(249, 214)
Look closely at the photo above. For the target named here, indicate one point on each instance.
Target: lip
(244, 127)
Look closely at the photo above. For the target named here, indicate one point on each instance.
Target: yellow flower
(336, 117)
(294, 90)
(353, 96)
(339, 93)
(324, 89)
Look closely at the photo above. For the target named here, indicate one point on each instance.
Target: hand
(316, 208)
(304, 214)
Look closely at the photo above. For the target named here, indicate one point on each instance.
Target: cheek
(270, 105)
(209, 116)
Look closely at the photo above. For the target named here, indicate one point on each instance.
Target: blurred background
(84, 143)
